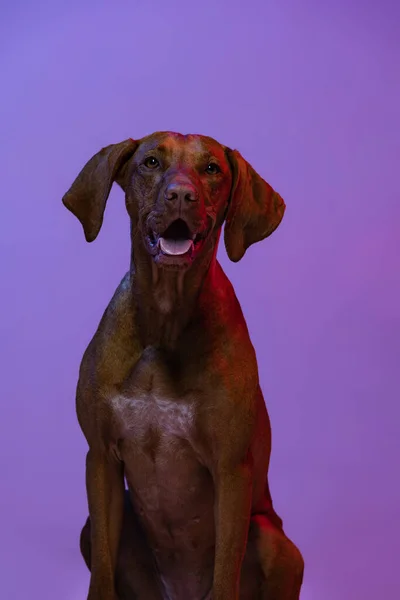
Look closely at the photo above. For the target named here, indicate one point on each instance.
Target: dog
(168, 395)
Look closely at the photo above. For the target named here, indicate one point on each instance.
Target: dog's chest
(144, 415)
(152, 403)
(155, 427)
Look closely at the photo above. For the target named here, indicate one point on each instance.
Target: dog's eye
(151, 162)
(212, 169)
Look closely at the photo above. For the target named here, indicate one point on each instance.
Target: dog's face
(177, 192)
(179, 188)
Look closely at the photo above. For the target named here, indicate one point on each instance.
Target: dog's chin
(165, 260)
(176, 248)
(173, 263)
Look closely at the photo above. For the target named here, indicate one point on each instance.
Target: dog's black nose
(181, 191)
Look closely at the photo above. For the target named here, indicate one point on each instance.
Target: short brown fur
(168, 395)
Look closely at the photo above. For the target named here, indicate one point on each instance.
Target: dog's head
(179, 189)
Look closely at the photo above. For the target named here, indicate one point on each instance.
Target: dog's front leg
(233, 488)
(105, 491)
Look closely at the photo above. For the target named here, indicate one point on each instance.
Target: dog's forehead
(179, 146)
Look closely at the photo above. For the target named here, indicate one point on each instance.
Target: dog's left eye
(212, 169)
(151, 162)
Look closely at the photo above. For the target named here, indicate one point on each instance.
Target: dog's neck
(165, 299)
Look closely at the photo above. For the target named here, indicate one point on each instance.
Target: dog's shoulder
(109, 357)
(114, 346)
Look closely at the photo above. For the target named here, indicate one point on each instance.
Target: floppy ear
(255, 209)
(87, 196)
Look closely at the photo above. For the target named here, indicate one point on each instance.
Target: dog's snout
(181, 191)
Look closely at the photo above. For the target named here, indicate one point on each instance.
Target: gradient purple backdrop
(309, 92)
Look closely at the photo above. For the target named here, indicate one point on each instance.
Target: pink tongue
(175, 247)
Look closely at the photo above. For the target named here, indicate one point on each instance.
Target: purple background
(309, 92)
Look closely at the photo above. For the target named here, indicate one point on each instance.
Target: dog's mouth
(177, 240)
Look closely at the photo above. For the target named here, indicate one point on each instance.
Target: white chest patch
(138, 414)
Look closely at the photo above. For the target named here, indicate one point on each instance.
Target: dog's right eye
(212, 169)
(151, 162)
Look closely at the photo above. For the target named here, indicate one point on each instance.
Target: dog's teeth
(175, 247)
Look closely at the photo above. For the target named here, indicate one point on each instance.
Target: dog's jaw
(175, 246)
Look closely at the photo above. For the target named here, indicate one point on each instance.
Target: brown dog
(168, 395)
